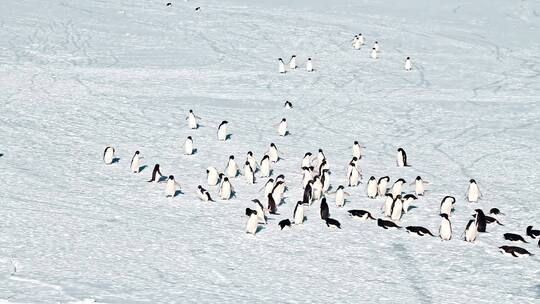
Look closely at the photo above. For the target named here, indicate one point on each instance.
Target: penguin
(108, 155)
(419, 186)
(325, 213)
(361, 38)
(252, 161)
(135, 161)
(372, 188)
(226, 190)
(317, 188)
(308, 194)
(203, 194)
(532, 233)
(198, 8)
(299, 213)
(212, 176)
(397, 209)
(357, 150)
(408, 64)
(268, 187)
(306, 161)
(155, 176)
(323, 166)
(355, 176)
(374, 54)
(272, 207)
(222, 130)
(445, 230)
(281, 66)
(495, 211)
(480, 220)
(388, 204)
(360, 214)
(309, 65)
(447, 205)
(192, 120)
(292, 63)
(340, 196)
(471, 231)
(282, 129)
(353, 163)
(170, 187)
(288, 105)
(307, 176)
(387, 224)
(382, 185)
(357, 44)
(320, 157)
(376, 46)
(188, 146)
(248, 173)
(168, 4)
(232, 167)
(253, 220)
(514, 251)
(260, 211)
(265, 166)
(402, 158)
(407, 199)
(325, 180)
(281, 178)
(419, 230)
(273, 153)
(514, 237)
(397, 187)
(277, 192)
(473, 193)
(284, 223)
(491, 220)
(332, 223)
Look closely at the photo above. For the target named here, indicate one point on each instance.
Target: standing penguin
(226, 190)
(419, 186)
(272, 206)
(156, 174)
(374, 54)
(480, 220)
(340, 196)
(307, 176)
(445, 230)
(108, 155)
(307, 198)
(135, 161)
(248, 173)
(355, 176)
(309, 65)
(473, 193)
(252, 161)
(277, 191)
(447, 205)
(188, 146)
(299, 213)
(357, 150)
(292, 63)
(317, 188)
(222, 130)
(361, 39)
(382, 185)
(397, 209)
(265, 166)
(282, 129)
(408, 64)
(281, 66)
(212, 176)
(232, 167)
(372, 187)
(402, 158)
(273, 153)
(192, 120)
(376, 46)
(268, 187)
(357, 44)
(287, 105)
(325, 212)
(320, 157)
(471, 231)
(388, 204)
(170, 187)
(253, 220)
(260, 211)
(306, 161)
(325, 180)
(397, 187)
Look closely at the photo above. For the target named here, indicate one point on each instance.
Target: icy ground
(76, 76)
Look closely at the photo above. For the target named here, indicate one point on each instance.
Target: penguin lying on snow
(360, 214)
(203, 194)
(421, 231)
(514, 237)
(387, 224)
(533, 233)
(284, 223)
(332, 223)
(514, 251)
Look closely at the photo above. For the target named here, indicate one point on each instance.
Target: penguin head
(418, 178)
(280, 176)
(373, 49)
(189, 137)
(224, 123)
(283, 119)
(398, 197)
(250, 153)
(270, 180)
(320, 151)
(494, 211)
(408, 58)
(472, 181)
(231, 157)
(307, 154)
(340, 187)
(137, 152)
(529, 228)
(309, 59)
(356, 142)
(168, 4)
(225, 179)
(390, 195)
(372, 178)
(280, 59)
(199, 187)
(376, 42)
(293, 56)
(299, 203)
(255, 201)
(190, 111)
(272, 145)
(248, 211)
(400, 149)
(171, 177)
(400, 180)
(266, 157)
(354, 159)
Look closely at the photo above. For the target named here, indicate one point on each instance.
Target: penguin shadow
(162, 179)
(412, 207)
(141, 168)
(177, 193)
(229, 136)
(195, 150)
(259, 228)
(115, 160)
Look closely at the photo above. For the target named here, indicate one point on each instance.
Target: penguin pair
(292, 64)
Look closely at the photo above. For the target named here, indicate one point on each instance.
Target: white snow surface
(76, 76)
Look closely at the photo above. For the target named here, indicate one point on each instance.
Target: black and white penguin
(397, 187)
(299, 213)
(212, 176)
(514, 251)
(356, 43)
(308, 194)
(491, 220)
(273, 153)
(325, 212)
(388, 202)
(361, 38)
(317, 188)
(419, 186)
(306, 161)
(360, 214)
(284, 223)
(272, 207)
(445, 229)
(249, 175)
(198, 8)
(495, 211)
(419, 230)
(252, 222)
(192, 120)
(473, 192)
(352, 164)
(309, 65)
(268, 187)
(108, 155)
(320, 157)
(188, 146)
(232, 167)
(168, 4)
(203, 194)
(402, 158)
(156, 174)
(532, 232)
(288, 105)
(407, 200)
(277, 191)
(357, 150)
(252, 161)
(387, 224)
(281, 66)
(260, 211)
(374, 54)
(282, 128)
(372, 188)
(376, 46)
(355, 177)
(265, 166)
(408, 64)
(382, 185)
(480, 220)
(226, 190)
(513, 237)
(397, 208)
(170, 187)
(471, 231)
(332, 223)
(292, 63)
(135, 162)
(447, 205)
(325, 180)
(340, 196)
(222, 130)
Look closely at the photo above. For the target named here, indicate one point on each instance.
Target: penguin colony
(316, 184)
